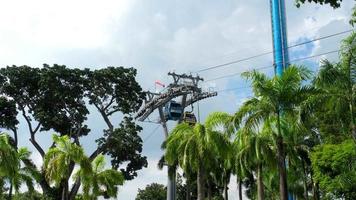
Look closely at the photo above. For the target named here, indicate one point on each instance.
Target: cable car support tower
(184, 87)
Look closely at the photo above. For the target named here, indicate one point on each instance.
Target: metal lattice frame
(156, 100)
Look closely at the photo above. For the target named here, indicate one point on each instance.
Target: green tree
(255, 153)
(58, 161)
(96, 181)
(328, 116)
(10, 166)
(8, 161)
(8, 115)
(336, 110)
(331, 111)
(275, 97)
(332, 3)
(187, 190)
(31, 196)
(59, 98)
(153, 191)
(157, 190)
(194, 148)
(299, 141)
(334, 167)
(224, 166)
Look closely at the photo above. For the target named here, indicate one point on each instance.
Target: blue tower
(279, 35)
(280, 42)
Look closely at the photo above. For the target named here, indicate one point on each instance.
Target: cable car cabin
(189, 117)
(173, 111)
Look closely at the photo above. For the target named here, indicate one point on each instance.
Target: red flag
(159, 83)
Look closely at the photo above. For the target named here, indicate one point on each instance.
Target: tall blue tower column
(280, 42)
(279, 35)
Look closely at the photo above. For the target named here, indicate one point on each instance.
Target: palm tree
(221, 170)
(65, 155)
(338, 83)
(275, 97)
(24, 174)
(299, 142)
(194, 148)
(222, 123)
(59, 160)
(8, 161)
(10, 166)
(7, 155)
(254, 153)
(94, 178)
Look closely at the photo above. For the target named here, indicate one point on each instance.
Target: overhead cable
(151, 134)
(271, 66)
(269, 52)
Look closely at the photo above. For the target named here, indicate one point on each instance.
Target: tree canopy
(57, 98)
(335, 169)
(332, 3)
(153, 191)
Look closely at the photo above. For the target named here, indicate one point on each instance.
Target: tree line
(295, 136)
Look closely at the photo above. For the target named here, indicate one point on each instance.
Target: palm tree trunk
(64, 186)
(351, 101)
(171, 185)
(240, 188)
(64, 194)
(260, 187)
(226, 195)
(283, 188)
(305, 181)
(353, 127)
(10, 191)
(316, 195)
(15, 137)
(46, 188)
(210, 196)
(201, 183)
(73, 192)
(283, 193)
(315, 187)
(187, 195)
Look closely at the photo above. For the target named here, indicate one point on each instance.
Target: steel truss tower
(183, 86)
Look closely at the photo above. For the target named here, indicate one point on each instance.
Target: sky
(157, 37)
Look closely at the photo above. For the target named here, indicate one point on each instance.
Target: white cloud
(156, 37)
(40, 28)
(65, 23)
(333, 43)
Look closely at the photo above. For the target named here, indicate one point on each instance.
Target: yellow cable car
(189, 117)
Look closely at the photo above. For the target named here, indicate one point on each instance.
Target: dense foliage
(12, 169)
(57, 98)
(158, 191)
(153, 191)
(332, 3)
(296, 136)
(335, 169)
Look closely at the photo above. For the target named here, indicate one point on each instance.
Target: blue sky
(156, 37)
